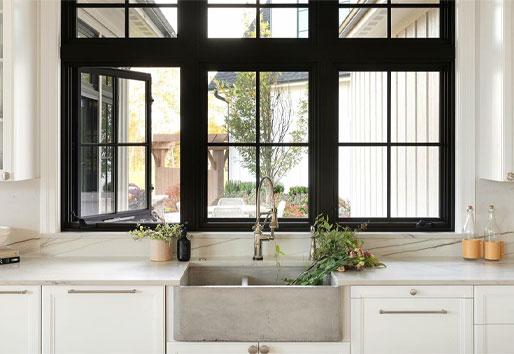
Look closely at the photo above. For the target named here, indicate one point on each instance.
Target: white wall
(19, 208)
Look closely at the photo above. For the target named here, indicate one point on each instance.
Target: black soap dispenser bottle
(184, 246)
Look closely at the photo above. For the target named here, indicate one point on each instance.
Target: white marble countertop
(141, 271)
(436, 271)
(91, 271)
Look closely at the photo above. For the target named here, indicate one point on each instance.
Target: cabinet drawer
(494, 339)
(412, 326)
(103, 319)
(494, 305)
(411, 292)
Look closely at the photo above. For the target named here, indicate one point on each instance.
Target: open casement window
(114, 147)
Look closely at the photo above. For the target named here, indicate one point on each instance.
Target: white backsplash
(208, 245)
(241, 245)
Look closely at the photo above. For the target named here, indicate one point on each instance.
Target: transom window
(347, 105)
(126, 18)
(258, 19)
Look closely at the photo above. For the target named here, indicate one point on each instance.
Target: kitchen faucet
(258, 236)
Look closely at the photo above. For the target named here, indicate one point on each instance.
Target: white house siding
(414, 118)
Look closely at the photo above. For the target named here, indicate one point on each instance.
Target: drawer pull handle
(73, 291)
(413, 312)
(17, 292)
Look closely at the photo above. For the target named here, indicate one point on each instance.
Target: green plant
(337, 249)
(297, 190)
(278, 189)
(162, 232)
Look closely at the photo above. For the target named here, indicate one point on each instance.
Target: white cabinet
(495, 90)
(210, 348)
(258, 348)
(103, 320)
(20, 324)
(412, 320)
(304, 348)
(494, 320)
(18, 90)
(494, 339)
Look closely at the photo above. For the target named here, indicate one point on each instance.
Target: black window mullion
(257, 130)
(258, 20)
(389, 144)
(116, 139)
(389, 21)
(127, 26)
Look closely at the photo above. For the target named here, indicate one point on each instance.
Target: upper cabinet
(18, 90)
(495, 90)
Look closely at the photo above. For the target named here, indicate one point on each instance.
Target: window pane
(231, 23)
(231, 182)
(96, 109)
(232, 108)
(415, 1)
(415, 107)
(284, 1)
(284, 23)
(132, 193)
(101, 1)
(154, 1)
(362, 23)
(362, 107)
(165, 142)
(153, 22)
(414, 181)
(362, 182)
(101, 22)
(231, 1)
(415, 23)
(96, 181)
(288, 168)
(132, 112)
(284, 107)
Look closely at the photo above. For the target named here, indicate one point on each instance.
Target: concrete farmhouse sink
(256, 304)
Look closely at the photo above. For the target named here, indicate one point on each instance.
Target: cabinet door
(494, 305)
(494, 339)
(211, 348)
(20, 325)
(412, 326)
(304, 348)
(103, 320)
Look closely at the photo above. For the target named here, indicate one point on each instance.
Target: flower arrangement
(337, 249)
(162, 232)
(160, 239)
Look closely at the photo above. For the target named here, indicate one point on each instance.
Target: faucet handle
(274, 219)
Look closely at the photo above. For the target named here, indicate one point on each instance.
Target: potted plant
(160, 239)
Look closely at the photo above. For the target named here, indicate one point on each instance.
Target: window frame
(116, 74)
(323, 55)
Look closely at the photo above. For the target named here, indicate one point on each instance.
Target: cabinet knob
(264, 349)
(413, 292)
(510, 176)
(4, 176)
(253, 350)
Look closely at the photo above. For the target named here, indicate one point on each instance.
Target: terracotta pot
(160, 251)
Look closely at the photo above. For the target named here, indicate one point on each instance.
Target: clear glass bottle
(491, 230)
(468, 230)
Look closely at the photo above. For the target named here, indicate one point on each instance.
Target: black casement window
(107, 151)
(172, 111)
